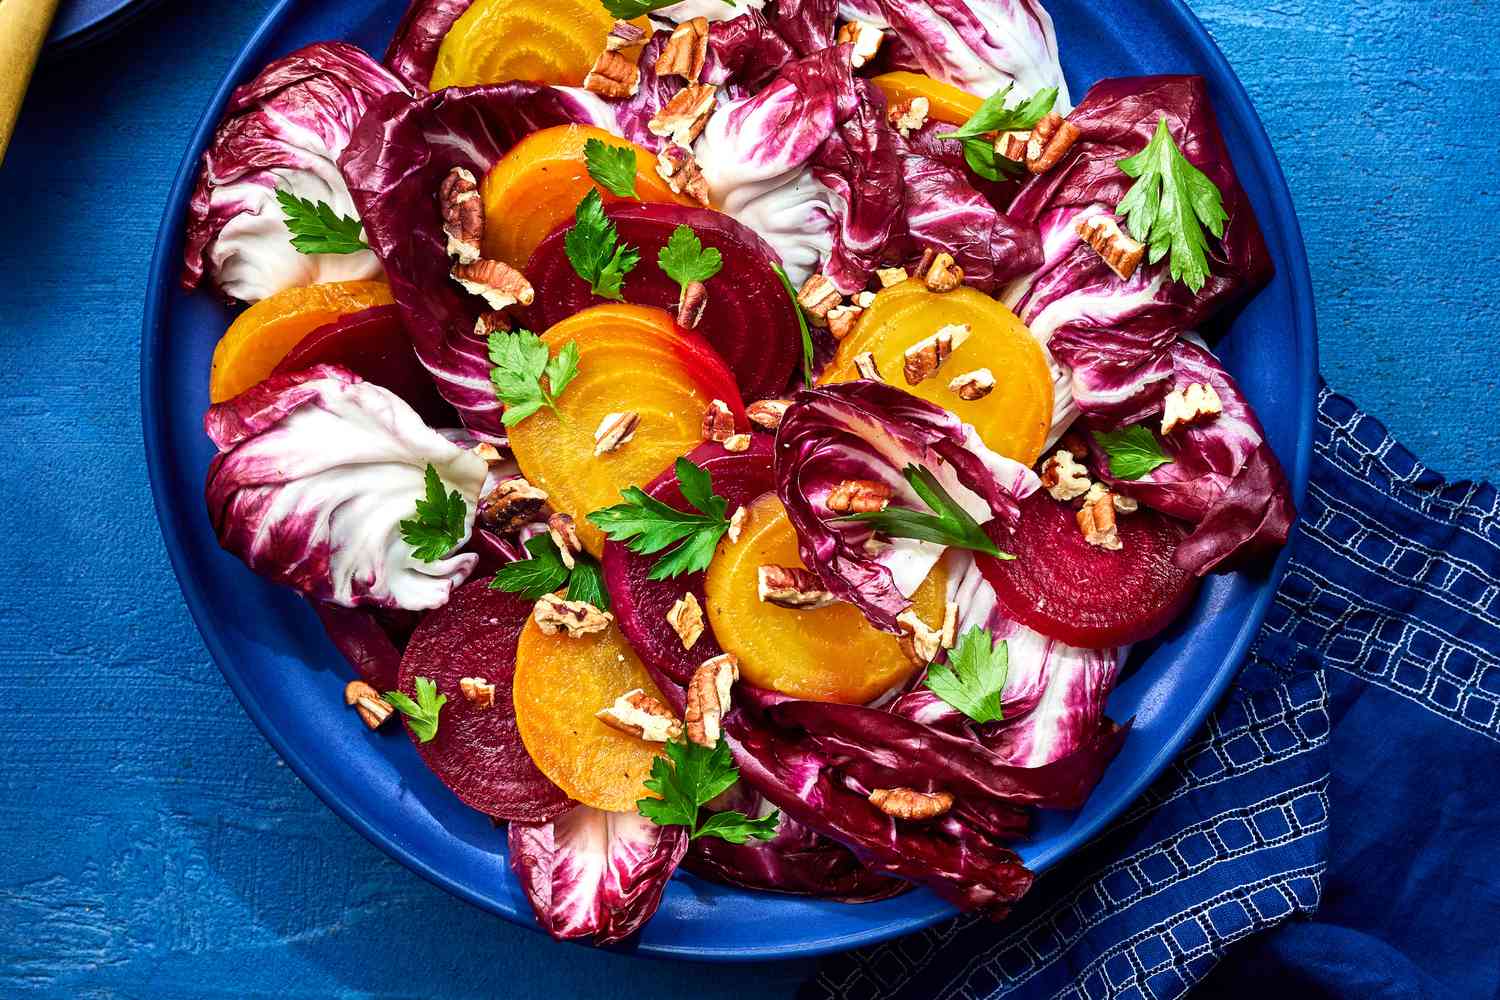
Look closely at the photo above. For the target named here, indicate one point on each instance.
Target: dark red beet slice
(478, 752)
(750, 320)
(374, 345)
(1082, 594)
(641, 604)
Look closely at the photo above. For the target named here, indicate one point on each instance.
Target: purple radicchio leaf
(595, 874)
(315, 472)
(413, 51)
(284, 129)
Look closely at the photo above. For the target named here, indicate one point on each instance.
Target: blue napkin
(1334, 829)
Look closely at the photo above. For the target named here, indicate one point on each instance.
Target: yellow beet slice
(543, 41)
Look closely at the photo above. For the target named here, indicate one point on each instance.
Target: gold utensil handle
(23, 28)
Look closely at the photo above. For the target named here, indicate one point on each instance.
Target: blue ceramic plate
(79, 22)
(276, 658)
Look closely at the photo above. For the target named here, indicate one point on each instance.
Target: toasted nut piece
(866, 39)
(841, 320)
(1120, 252)
(463, 214)
(708, 698)
(736, 442)
(512, 503)
(737, 523)
(1189, 406)
(1050, 141)
(682, 118)
(767, 413)
(477, 691)
(973, 385)
(491, 321)
(1075, 444)
(685, 51)
(615, 430)
(864, 363)
(718, 421)
(1063, 478)
(486, 451)
(920, 643)
(948, 635)
(691, 303)
(908, 114)
(858, 496)
(817, 298)
(1096, 520)
(564, 534)
(792, 587)
(921, 360)
(1125, 505)
(924, 263)
(500, 285)
(613, 77)
(577, 618)
(624, 35)
(1012, 145)
(891, 276)
(863, 299)
(908, 803)
(639, 714)
(686, 619)
(372, 709)
(677, 167)
(941, 274)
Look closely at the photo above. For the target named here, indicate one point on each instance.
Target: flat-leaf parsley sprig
(973, 679)
(948, 524)
(611, 167)
(526, 375)
(690, 776)
(317, 228)
(629, 10)
(421, 714)
(545, 573)
(438, 527)
(685, 260)
(595, 251)
(1133, 451)
(646, 525)
(993, 116)
(1170, 205)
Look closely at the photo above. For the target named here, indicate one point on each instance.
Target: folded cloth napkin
(1334, 828)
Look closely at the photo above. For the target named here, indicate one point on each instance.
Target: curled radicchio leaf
(413, 51)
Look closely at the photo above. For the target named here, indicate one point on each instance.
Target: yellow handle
(23, 28)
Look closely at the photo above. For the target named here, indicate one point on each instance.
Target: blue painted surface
(153, 846)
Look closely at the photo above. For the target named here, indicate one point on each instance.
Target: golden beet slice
(946, 103)
(545, 41)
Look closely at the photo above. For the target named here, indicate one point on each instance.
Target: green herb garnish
(1170, 205)
(526, 375)
(317, 228)
(992, 117)
(684, 259)
(422, 714)
(694, 776)
(646, 525)
(629, 10)
(613, 167)
(949, 524)
(438, 527)
(594, 248)
(545, 573)
(973, 679)
(1133, 451)
(807, 344)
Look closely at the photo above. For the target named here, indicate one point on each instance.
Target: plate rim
(162, 276)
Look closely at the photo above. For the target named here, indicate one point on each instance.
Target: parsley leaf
(545, 572)
(629, 10)
(993, 116)
(694, 776)
(950, 525)
(613, 167)
(1170, 205)
(594, 248)
(316, 228)
(1133, 451)
(807, 344)
(422, 714)
(521, 362)
(438, 527)
(647, 525)
(684, 260)
(973, 679)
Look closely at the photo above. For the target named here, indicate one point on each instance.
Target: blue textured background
(153, 844)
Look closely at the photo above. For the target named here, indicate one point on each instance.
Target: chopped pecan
(491, 321)
(512, 503)
(463, 215)
(486, 451)
(792, 587)
(920, 643)
(613, 77)
(1075, 443)
(736, 442)
(683, 117)
(372, 709)
(865, 39)
(686, 619)
(615, 430)
(691, 303)
(1124, 504)
(1063, 478)
(477, 691)
(1120, 252)
(708, 696)
(841, 320)
(553, 614)
(863, 299)
(973, 385)
(864, 363)
(891, 276)
(948, 634)
(500, 285)
(1012, 145)
(685, 51)
(1050, 141)
(639, 714)
(858, 496)
(718, 421)
(908, 114)
(1189, 406)
(941, 274)
(767, 413)
(1096, 519)
(921, 360)
(737, 523)
(908, 803)
(677, 167)
(624, 35)
(564, 534)
(817, 298)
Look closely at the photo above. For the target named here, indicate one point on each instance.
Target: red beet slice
(374, 345)
(1082, 594)
(749, 319)
(641, 604)
(477, 752)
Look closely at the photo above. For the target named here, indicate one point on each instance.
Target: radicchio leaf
(413, 51)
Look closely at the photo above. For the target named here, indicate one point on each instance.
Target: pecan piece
(1050, 141)
(686, 619)
(691, 303)
(909, 114)
(908, 803)
(1096, 519)
(512, 503)
(553, 614)
(736, 442)
(737, 523)
(1120, 252)
(973, 385)
(613, 76)
(858, 496)
(682, 118)
(792, 587)
(708, 698)
(624, 35)
(1190, 406)
(477, 691)
(891, 276)
(491, 321)
(865, 39)
(1075, 444)
(841, 320)
(499, 284)
(615, 430)
(718, 421)
(940, 274)
(948, 634)
(463, 215)
(639, 714)
(564, 534)
(372, 709)
(817, 298)
(685, 51)
(1064, 478)
(677, 167)
(1012, 145)
(767, 413)
(920, 643)
(921, 360)
(864, 363)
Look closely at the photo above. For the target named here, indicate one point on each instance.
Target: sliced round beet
(374, 345)
(749, 319)
(641, 604)
(477, 752)
(1086, 595)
